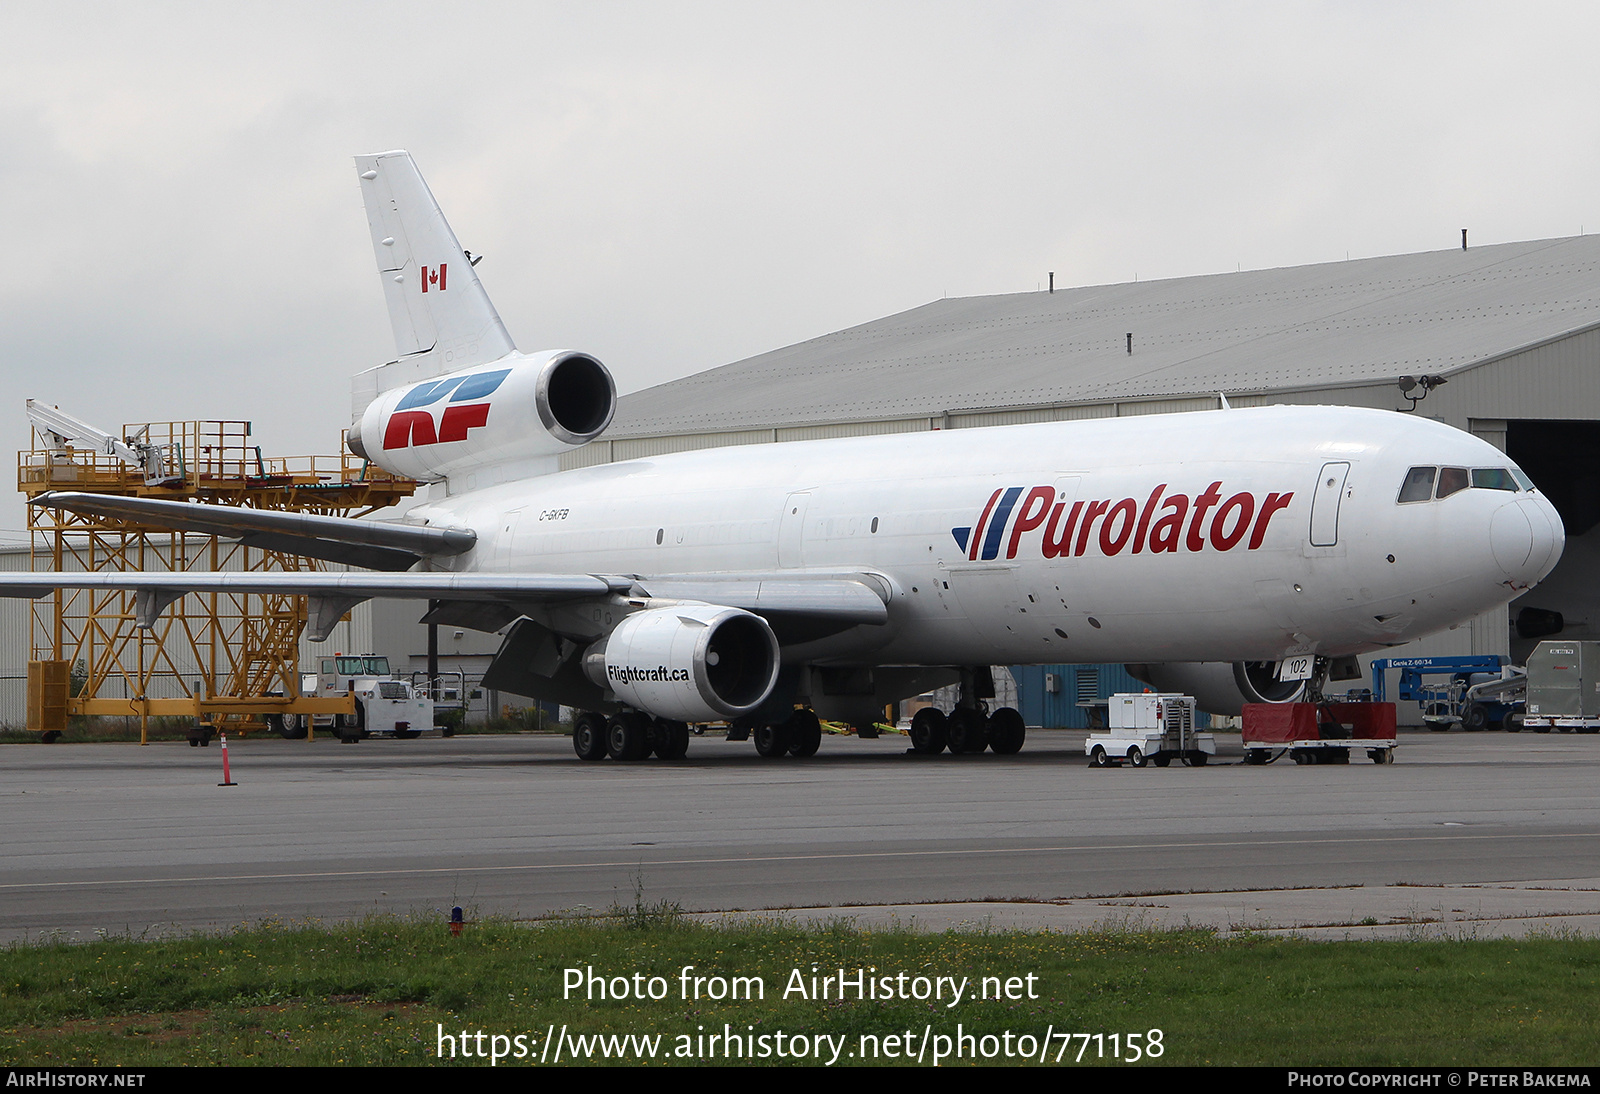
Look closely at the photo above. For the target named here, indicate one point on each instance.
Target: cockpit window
(1492, 478)
(1418, 485)
(1451, 480)
(1421, 481)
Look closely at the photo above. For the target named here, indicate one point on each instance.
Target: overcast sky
(673, 186)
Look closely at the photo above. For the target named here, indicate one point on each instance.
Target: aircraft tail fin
(443, 320)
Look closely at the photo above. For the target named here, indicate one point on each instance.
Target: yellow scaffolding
(221, 658)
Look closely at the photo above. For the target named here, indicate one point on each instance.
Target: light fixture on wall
(1408, 384)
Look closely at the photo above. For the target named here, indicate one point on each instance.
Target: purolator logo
(1164, 523)
(410, 428)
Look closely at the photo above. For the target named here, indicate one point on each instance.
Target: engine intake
(1221, 687)
(688, 662)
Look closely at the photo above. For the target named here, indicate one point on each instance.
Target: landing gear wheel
(929, 732)
(589, 736)
(1007, 731)
(1098, 758)
(628, 737)
(672, 739)
(965, 727)
(1135, 756)
(772, 741)
(805, 732)
(1474, 718)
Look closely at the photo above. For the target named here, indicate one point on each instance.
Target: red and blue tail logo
(410, 428)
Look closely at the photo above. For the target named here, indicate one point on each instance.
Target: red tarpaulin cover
(1280, 723)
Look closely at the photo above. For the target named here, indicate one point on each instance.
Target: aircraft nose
(1526, 538)
(1511, 538)
(1549, 537)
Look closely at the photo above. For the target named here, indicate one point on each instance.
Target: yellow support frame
(218, 657)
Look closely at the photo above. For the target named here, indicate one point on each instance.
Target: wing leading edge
(839, 600)
(370, 544)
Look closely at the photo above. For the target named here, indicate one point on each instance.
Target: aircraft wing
(330, 594)
(835, 601)
(372, 545)
(852, 598)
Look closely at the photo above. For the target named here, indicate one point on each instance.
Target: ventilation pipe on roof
(1052, 281)
(1463, 239)
(1130, 343)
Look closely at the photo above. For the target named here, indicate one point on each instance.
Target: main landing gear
(800, 736)
(970, 727)
(633, 735)
(628, 736)
(967, 731)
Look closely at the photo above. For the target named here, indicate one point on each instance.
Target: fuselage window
(1418, 485)
(1451, 480)
(1492, 478)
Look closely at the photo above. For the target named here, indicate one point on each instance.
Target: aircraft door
(1325, 504)
(504, 557)
(791, 530)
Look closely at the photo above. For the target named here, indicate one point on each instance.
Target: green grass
(374, 993)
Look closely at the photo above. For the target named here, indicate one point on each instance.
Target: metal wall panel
(636, 448)
(855, 429)
(1131, 407)
(1060, 709)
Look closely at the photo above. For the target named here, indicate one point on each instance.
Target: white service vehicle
(385, 706)
(1150, 727)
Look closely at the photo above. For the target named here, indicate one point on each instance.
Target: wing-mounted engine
(1221, 687)
(521, 409)
(688, 662)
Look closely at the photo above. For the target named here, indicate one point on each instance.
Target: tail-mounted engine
(522, 407)
(689, 662)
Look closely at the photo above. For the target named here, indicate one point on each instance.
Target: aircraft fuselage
(1244, 534)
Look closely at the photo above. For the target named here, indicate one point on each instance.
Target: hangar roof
(1329, 325)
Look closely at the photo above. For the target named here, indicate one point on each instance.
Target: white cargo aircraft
(771, 584)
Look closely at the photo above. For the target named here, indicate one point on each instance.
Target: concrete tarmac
(137, 840)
